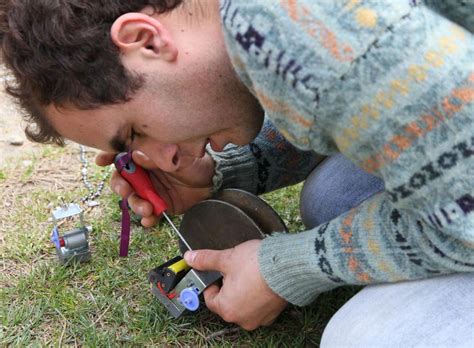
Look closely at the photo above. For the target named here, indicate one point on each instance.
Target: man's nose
(165, 156)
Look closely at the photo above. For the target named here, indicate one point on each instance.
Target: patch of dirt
(13, 142)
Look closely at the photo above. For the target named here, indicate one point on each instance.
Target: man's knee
(334, 187)
(436, 312)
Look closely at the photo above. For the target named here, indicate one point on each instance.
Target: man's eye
(133, 134)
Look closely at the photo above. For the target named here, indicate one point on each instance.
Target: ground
(13, 142)
(107, 302)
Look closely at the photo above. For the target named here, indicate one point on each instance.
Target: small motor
(177, 286)
(72, 245)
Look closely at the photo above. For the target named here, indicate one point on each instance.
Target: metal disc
(232, 217)
(218, 225)
(256, 208)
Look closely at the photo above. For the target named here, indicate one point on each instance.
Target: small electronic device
(72, 245)
(177, 286)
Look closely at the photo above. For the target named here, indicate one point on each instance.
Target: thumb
(206, 260)
(143, 160)
(104, 158)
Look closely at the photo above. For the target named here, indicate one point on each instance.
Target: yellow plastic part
(179, 266)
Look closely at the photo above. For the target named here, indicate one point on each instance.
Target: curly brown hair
(60, 51)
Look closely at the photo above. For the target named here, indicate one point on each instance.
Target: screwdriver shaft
(176, 230)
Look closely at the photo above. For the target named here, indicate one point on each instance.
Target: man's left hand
(244, 298)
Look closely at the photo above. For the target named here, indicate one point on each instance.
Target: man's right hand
(181, 189)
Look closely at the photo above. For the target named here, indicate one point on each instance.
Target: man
(388, 84)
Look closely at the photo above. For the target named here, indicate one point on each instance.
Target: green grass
(107, 301)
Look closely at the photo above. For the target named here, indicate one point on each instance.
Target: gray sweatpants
(436, 312)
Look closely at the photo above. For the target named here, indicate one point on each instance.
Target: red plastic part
(170, 295)
(62, 243)
(141, 183)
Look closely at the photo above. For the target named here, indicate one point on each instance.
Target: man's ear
(135, 31)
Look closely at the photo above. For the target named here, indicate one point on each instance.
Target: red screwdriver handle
(139, 179)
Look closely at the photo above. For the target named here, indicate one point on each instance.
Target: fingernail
(189, 257)
(142, 154)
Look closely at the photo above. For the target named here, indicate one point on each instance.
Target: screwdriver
(139, 179)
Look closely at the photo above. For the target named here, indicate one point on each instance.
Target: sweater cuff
(288, 264)
(234, 168)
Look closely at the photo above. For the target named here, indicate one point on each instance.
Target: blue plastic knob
(55, 238)
(189, 298)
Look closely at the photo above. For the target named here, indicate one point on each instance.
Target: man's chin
(216, 147)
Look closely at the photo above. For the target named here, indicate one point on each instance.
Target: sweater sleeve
(268, 163)
(373, 243)
(389, 84)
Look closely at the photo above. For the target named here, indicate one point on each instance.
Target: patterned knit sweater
(390, 84)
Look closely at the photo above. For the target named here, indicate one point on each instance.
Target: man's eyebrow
(117, 143)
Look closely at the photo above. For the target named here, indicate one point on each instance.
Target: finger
(211, 297)
(104, 158)
(207, 260)
(140, 206)
(149, 221)
(120, 186)
(143, 160)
